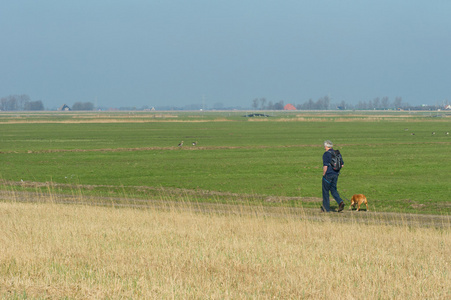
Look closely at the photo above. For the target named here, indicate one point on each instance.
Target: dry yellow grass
(52, 251)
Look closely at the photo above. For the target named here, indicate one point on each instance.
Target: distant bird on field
(412, 133)
(194, 143)
(181, 144)
(447, 133)
(406, 129)
(433, 132)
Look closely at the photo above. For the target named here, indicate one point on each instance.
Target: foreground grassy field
(84, 252)
(393, 158)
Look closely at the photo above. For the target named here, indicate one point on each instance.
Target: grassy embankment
(76, 251)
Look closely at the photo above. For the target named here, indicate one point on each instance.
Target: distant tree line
(83, 106)
(263, 104)
(381, 103)
(24, 103)
(19, 102)
(325, 103)
(322, 103)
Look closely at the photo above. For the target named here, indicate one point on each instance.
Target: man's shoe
(322, 209)
(341, 206)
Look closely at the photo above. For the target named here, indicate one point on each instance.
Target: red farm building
(289, 107)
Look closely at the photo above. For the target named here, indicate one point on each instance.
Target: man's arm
(324, 170)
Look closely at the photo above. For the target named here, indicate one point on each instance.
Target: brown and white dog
(358, 199)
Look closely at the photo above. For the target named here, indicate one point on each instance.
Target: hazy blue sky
(171, 52)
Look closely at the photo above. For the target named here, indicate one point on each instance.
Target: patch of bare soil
(168, 203)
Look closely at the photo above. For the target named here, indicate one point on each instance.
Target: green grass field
(128, 154)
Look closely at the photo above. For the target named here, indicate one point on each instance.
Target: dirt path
(362, 218)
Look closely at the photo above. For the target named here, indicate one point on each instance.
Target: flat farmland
(392, 157)
(234, 216)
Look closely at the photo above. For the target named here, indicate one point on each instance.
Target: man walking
(330, 178)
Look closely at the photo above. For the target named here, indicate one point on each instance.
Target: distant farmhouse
(64, 107)
(289, 107)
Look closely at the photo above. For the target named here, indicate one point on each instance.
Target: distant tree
(262, 103)
(270, 106)
(319, 104)
(34, 105)
(323, 103)
(327, 102)
(385, 103)
(23, 99)
(255, 103)
(361, 105)
(14, 102)
(310, 104)
(279, 105)
(83, 106)
(377, 103)
(397, 103)
(342, 105)
(3, 103)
